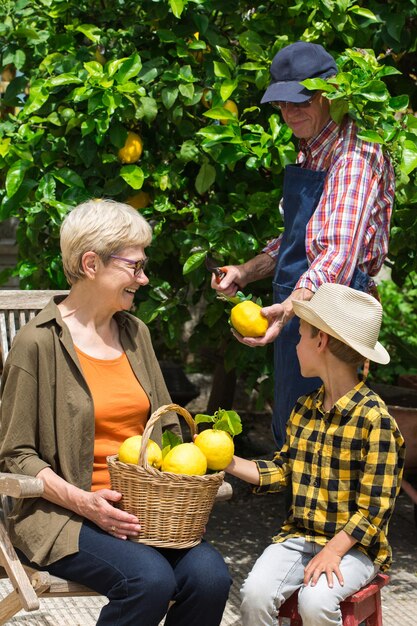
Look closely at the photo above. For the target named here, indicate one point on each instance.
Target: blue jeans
(140, 581)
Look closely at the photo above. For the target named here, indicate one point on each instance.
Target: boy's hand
(325, 562)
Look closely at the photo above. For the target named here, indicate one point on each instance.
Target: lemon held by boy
(80, 378)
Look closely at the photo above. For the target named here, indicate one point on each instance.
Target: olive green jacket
(47, 420)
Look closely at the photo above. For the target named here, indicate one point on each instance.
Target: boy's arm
(244, 469)
(327, 561)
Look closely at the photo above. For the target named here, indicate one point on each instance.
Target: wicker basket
(173, 509)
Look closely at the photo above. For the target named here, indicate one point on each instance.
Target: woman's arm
(96, 506)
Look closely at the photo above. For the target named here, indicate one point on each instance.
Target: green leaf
(364, 13)
(370, 135)
(227, 88)
(228, 421)
(66, 79)
(177, 7)
(39, 94)
(409, 156)
(68, 177)
(91, 31)
(15, 176)
(227, 56)
(169, 440)
(168, 96)
(221, 70)
(376, 91)
(205, 178)
(130, 68)
(133, 175)
(193, 262)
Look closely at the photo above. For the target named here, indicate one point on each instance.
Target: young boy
(344, 458)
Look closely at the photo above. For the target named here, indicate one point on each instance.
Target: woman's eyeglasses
(283, 104)
(137, 266)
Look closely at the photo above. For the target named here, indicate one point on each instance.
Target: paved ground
(241, 528)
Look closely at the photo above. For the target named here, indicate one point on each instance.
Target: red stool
(364, 605)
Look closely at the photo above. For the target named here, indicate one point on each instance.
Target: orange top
(121, 408)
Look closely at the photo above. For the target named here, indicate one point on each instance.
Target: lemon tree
(130, 449)
(186, 458)
(81, 75)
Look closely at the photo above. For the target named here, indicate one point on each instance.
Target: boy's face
(306, 351)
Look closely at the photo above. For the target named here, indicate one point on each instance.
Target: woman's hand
(95, 506)
(98, 508)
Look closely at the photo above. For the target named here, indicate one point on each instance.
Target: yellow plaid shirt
(345, 467)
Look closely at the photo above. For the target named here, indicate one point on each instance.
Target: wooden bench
(16, 309)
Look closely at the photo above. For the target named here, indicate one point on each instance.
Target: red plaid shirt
(350, 226)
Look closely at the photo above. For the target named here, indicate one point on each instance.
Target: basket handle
(166, 408)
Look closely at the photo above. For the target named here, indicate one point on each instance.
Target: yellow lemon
(186, 458)
(130, 448)
(133, 148)
(139, 200)
(247, 319)
(217, 446)
(206, 98)
(231, 106)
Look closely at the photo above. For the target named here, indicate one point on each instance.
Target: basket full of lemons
(172, 491)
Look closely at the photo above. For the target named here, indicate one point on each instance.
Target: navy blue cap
(294, 63)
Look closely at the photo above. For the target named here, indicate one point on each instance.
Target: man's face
(307, 122)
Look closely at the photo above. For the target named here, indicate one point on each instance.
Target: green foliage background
(89, 71)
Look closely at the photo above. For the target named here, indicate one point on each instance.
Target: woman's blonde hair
(103, 226)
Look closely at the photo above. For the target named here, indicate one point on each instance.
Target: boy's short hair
(103, 226)
(340, 350)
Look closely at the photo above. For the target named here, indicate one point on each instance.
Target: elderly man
(337, 203)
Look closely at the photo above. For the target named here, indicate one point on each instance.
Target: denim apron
(302, 191)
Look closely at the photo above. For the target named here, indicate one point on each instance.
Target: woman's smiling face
(118, 278)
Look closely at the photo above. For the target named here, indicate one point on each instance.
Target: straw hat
(351, 316)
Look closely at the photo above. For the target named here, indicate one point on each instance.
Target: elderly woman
(80, 378)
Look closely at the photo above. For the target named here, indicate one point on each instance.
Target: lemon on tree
(217, 446)
(139, 200)
(133, 148)
(247, 319)
(231, 106)
(130, 448)
(186, 458)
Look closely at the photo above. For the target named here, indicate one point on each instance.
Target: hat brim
(378, 354)
(286, 91)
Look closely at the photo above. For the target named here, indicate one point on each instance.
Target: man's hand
(277, 315)
(232, 282)
(325, 562)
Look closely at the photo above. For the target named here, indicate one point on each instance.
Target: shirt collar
(322, 143)
(346, 403)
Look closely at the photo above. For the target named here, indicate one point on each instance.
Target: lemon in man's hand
(130, 448)
(186, 458)
(132, 150)
(217, 446)
(247, 319)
